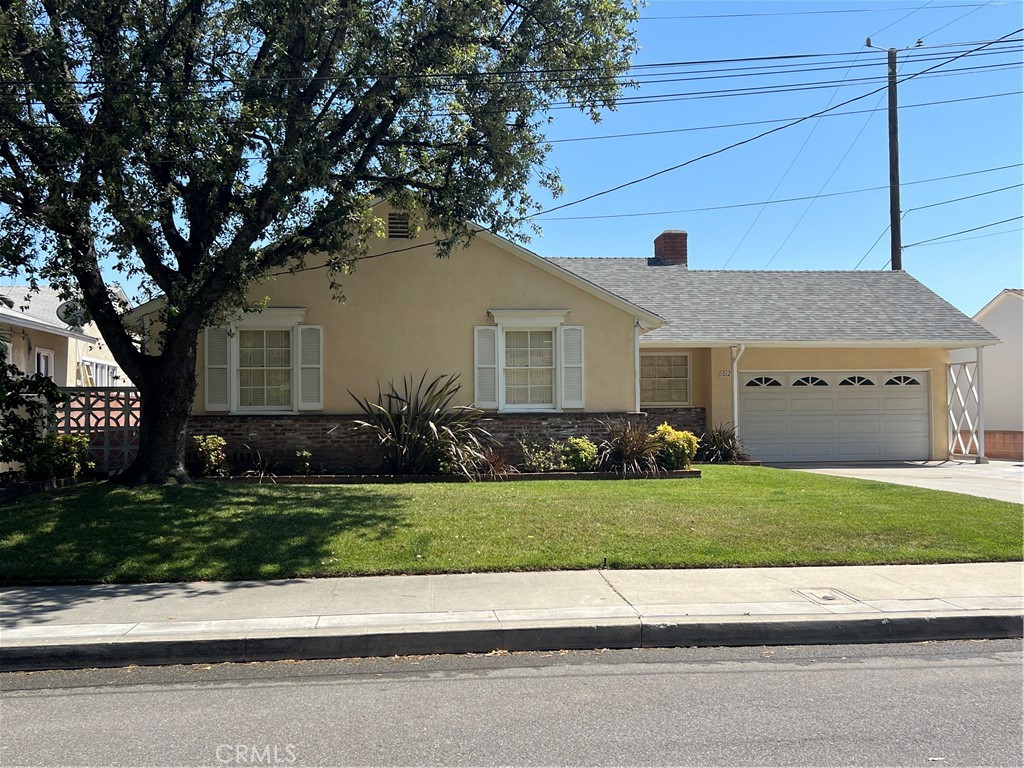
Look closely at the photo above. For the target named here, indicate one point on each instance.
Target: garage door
(835, 416)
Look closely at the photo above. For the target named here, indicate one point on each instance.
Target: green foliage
(581, 454)
(211, 453)
(677, 447)
(629, 449)
(57, 456)
(721, 444)
(302, 458)
(27, 407)
(420, 431)
(543, 456)
(198, 146)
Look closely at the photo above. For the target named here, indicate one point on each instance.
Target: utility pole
(895, 236)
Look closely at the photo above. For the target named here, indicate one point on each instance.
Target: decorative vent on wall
(398, 226)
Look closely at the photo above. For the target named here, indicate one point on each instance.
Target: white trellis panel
(964, 409)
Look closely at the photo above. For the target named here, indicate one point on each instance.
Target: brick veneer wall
(336, 445)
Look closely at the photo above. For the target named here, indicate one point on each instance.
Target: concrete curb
(656, 632)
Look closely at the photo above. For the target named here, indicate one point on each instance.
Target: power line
(781, 200)
(975, 237)
(965, 197)
(734, 145)
(963, 231)
(776, 120)
(976, 6)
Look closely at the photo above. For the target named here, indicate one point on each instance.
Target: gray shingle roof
(722, 306)
(41, 305)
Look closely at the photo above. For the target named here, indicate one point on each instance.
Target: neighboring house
(1003, 370)
(39, 342)
(814, 365)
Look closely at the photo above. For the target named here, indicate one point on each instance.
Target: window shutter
(572, 366)
(311, 368)
(485, 366)
(217, 373)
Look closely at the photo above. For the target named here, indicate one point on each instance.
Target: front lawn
(734, 516)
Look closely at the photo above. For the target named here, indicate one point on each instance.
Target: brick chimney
(670, 247)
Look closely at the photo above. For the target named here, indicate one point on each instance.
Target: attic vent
(398, 226)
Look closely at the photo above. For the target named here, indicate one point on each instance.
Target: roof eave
(818, 344)
(39, 325)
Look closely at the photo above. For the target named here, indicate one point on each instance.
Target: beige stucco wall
(410, 312)
(839, 359)
(1002, 364)
(67, 352)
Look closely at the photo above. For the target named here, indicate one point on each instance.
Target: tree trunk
(167, 391)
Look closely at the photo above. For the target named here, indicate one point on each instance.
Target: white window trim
(552, 407)
(48, 354)
(94, 362)
(529, 320)
(272, 319)
(689, 377)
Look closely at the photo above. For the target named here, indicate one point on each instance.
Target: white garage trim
(838, 415)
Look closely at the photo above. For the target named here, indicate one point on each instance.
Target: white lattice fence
(964, 409)
(110, 417)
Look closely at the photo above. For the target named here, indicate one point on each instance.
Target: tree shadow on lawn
(202, 532)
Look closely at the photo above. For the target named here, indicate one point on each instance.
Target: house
(38, 341)
(810, 365)
(1003, 367)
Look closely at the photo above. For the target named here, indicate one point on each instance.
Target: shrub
(543, 457)
(57, 456)
(420, 432)
(493, 464)
(677, 447)
(581, 454)
(721, 444)
(27, 407)
(211, 453)
(629, 449)
(302, 461)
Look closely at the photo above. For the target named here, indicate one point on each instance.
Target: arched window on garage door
(856, 381)
(810, 381)
(903, 381)
(763, 381)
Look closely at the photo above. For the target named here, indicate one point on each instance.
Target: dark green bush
(421, 432)
(27, 407)
(57, 457)
(211, 453)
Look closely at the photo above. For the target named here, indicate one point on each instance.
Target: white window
(664, 379)
(96, 373)
(530, 368)
(264, 362)
(527, 361)
(265, 369)
(44, 362)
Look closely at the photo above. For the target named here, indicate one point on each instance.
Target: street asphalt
(121, 624)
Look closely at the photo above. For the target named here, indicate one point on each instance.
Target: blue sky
(817, 157)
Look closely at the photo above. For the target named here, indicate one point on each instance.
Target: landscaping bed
(735, 516)
(677, 474)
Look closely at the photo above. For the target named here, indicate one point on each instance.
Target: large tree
(198, 145)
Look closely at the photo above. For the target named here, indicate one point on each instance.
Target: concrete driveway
(1003, 480)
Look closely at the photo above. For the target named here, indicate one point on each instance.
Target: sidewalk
(114, 625)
